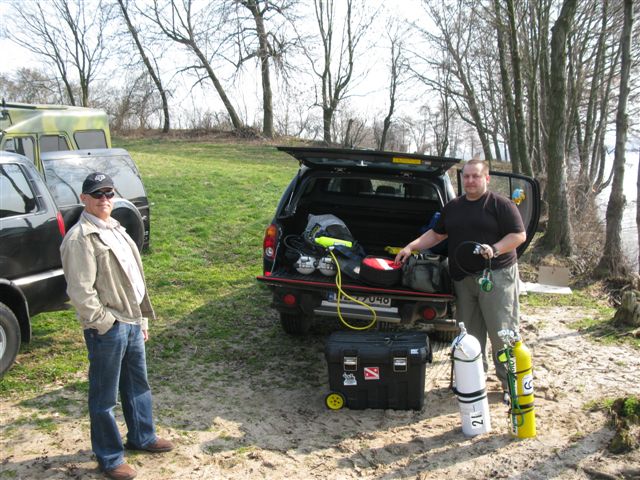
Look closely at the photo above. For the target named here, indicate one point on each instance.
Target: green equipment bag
(427, 273)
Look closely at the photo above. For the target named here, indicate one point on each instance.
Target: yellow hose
(346, 295)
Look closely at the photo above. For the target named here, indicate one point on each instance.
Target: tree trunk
(263, 53)
(613, 262)
(393, 84)
(597, 171)
(327, 118)
(558, 237)
(67, 86)
(386, 123)
(474, 110)
(335, 82)
(84, 89)
(506, 93)
(233, 116)
(346, 141)
(523, 148)
(544, 98)
(147, 63)
(587, 145)
(187, 37)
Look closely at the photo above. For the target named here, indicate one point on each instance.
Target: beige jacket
(97, 285)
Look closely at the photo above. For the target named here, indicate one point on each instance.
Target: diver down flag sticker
(372, 373)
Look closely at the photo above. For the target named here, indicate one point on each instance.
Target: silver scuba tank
(468, 384)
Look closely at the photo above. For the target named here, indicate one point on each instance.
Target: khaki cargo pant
(489, 312)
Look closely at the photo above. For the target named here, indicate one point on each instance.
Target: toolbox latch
(399, 364)
(350, 364)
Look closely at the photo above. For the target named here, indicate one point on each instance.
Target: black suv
(31, 231)
(34, 215)
(64, 172)
(385, 199)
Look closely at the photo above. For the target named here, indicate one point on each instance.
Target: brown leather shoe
(159, 446)
(121, 472)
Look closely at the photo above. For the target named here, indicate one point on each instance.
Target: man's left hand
(145, 335)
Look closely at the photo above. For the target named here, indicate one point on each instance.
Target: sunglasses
(99, 194)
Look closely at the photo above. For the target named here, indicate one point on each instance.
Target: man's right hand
(486, 251)
(403, 255)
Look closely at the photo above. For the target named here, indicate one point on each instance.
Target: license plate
(373, 300)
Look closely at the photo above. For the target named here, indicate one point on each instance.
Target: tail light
(60, 220)
(290, 299)
(429, 313)
(270, 241)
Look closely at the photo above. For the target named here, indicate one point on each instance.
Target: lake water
(629, 231)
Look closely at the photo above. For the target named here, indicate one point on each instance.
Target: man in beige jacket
(105, 282)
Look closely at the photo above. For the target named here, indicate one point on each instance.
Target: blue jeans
(117, 362)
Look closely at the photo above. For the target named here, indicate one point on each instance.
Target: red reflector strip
(60, 220)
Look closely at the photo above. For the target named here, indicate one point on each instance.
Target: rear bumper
(316, 296)
(313, 283)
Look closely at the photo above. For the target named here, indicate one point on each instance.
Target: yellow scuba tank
(517, 358)
(522, 411)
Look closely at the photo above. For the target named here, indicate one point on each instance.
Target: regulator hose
(342, 293)
(457, 252)
(486, 280)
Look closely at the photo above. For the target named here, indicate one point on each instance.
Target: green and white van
(35, 129)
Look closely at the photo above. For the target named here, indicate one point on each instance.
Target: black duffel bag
(380, 272)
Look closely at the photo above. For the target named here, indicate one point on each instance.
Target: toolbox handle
(349, 363)
(400, 364)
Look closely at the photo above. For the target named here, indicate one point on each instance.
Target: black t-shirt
(485, 220)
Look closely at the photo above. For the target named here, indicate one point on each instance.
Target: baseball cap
(96, 181)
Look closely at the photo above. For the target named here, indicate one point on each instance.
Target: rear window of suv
(381, 188)
(16, 196)
(65, 176)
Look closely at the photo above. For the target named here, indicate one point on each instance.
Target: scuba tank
(469, 388)
(517, 359)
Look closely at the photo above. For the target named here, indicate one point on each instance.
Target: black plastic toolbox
(377, 369)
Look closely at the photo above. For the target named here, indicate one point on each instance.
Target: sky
(370, 98)
(12, 55)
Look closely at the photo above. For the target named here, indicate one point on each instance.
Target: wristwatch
(496, 252)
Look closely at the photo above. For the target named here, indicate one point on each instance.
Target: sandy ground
(269, 421)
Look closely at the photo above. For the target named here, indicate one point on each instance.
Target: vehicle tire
(129, 217)
(9, 338)
(295, 324)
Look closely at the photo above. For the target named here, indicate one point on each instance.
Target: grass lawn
(210, 206)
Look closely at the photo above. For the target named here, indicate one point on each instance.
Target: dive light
(327, 242)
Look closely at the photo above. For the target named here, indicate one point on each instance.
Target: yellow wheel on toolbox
(334, 401)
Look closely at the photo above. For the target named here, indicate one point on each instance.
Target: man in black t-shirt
(490, 225)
